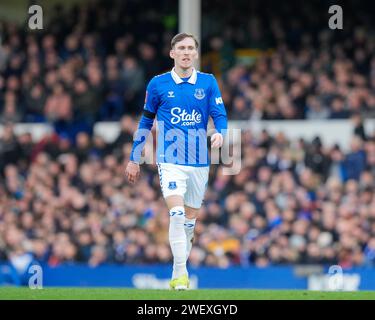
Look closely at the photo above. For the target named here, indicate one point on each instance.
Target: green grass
(12, 293)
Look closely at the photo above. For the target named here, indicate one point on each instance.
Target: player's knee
(174, 201)
(191, 213)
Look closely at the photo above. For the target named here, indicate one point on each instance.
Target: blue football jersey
(182, 108)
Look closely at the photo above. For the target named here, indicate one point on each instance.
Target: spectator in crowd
(133, 75)
(35, 99)
(355, 161)
(9, 147)
(58, 105)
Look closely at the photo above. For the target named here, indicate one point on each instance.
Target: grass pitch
(12, 293)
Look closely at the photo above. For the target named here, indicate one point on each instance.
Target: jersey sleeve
(139, 138)
(146, 122)
(151, 98)
(217, 108)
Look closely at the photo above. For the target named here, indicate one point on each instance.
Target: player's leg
(173, 184)
(196, 188)
(191, 215)
(177, 236)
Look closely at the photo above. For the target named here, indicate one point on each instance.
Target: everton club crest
(199, 94)
(172, 185)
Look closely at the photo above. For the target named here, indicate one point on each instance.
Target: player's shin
(177, 240)
(189, 231)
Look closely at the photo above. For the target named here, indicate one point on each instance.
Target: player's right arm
(144, 128)
(218, 114)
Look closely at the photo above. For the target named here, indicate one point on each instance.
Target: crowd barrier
(330, 131)
(158, 276)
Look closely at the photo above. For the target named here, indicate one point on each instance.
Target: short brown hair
(181, 36)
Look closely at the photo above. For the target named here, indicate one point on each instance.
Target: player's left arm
(218, 115)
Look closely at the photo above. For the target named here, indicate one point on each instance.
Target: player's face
(184, 53)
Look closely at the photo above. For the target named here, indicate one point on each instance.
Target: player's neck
(183, 73)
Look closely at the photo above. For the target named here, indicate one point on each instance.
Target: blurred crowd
(294, 201)
(305, 71)
(64, 198)
(309, 84)
(92, 61)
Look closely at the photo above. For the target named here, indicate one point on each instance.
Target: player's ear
(171, 53)
(196, 55)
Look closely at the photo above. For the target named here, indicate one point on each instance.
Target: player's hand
(132, 171)
(217, 140)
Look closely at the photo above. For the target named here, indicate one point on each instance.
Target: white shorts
(187, 181)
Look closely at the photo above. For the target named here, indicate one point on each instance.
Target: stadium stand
(64, 199)
(293, 202)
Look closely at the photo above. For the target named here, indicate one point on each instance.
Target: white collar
(178, 80)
